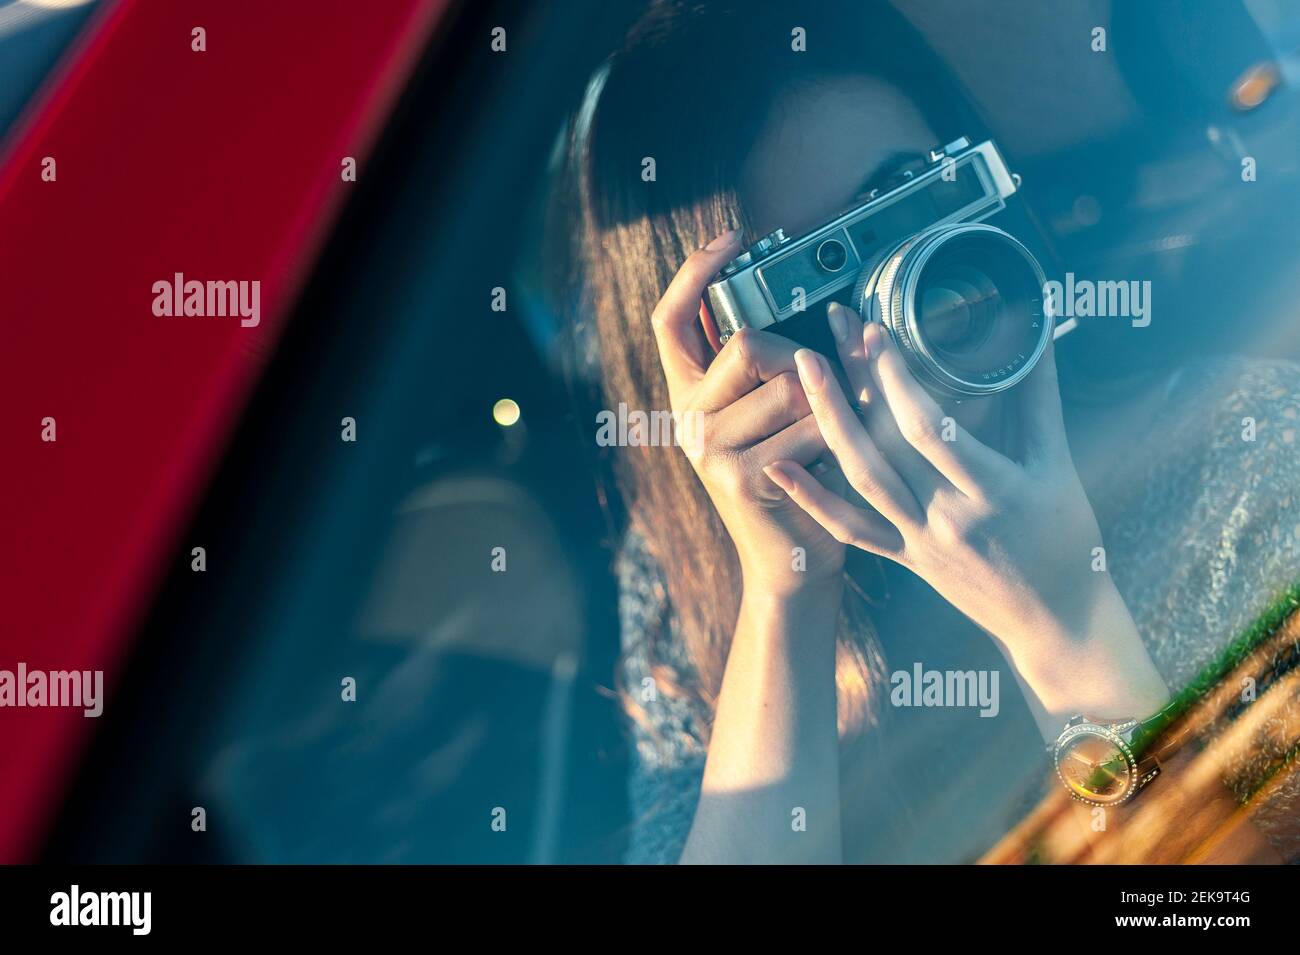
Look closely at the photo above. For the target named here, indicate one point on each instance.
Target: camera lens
(957, 305)
(965, 304)
(956, 309)
(831, 255)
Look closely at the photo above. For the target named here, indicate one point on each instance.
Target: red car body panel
(222, 165)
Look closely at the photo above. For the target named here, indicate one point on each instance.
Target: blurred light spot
(1087, 210)
(505, 412)
(1255, 86)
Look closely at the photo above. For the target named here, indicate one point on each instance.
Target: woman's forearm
(771, 782)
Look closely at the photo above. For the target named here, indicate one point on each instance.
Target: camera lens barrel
(964, 303)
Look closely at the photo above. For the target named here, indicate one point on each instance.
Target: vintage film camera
(963, 300)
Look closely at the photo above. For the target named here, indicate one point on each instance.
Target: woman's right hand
(736, 414)
(1009, 539)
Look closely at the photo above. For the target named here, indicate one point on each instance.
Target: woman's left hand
(1009, 540)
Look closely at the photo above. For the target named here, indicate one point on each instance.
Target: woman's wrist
(803, 607)
(789, 585)
(1090, 660)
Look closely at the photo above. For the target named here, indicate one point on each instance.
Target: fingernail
(809, 366)
(835, 318)
(869, 333)
(722, 241)
(778, 477)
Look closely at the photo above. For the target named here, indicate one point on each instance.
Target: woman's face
(825, 144)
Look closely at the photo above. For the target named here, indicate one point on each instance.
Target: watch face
(1094, 767)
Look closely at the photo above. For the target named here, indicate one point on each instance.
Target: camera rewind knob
(761, 248)
(769, 242)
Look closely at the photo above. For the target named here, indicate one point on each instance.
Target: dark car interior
(484, 678)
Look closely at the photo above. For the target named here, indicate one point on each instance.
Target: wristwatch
(1105, 763)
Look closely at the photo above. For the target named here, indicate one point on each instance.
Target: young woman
(763, 610)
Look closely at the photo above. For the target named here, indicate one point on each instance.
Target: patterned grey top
(1200, 539)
